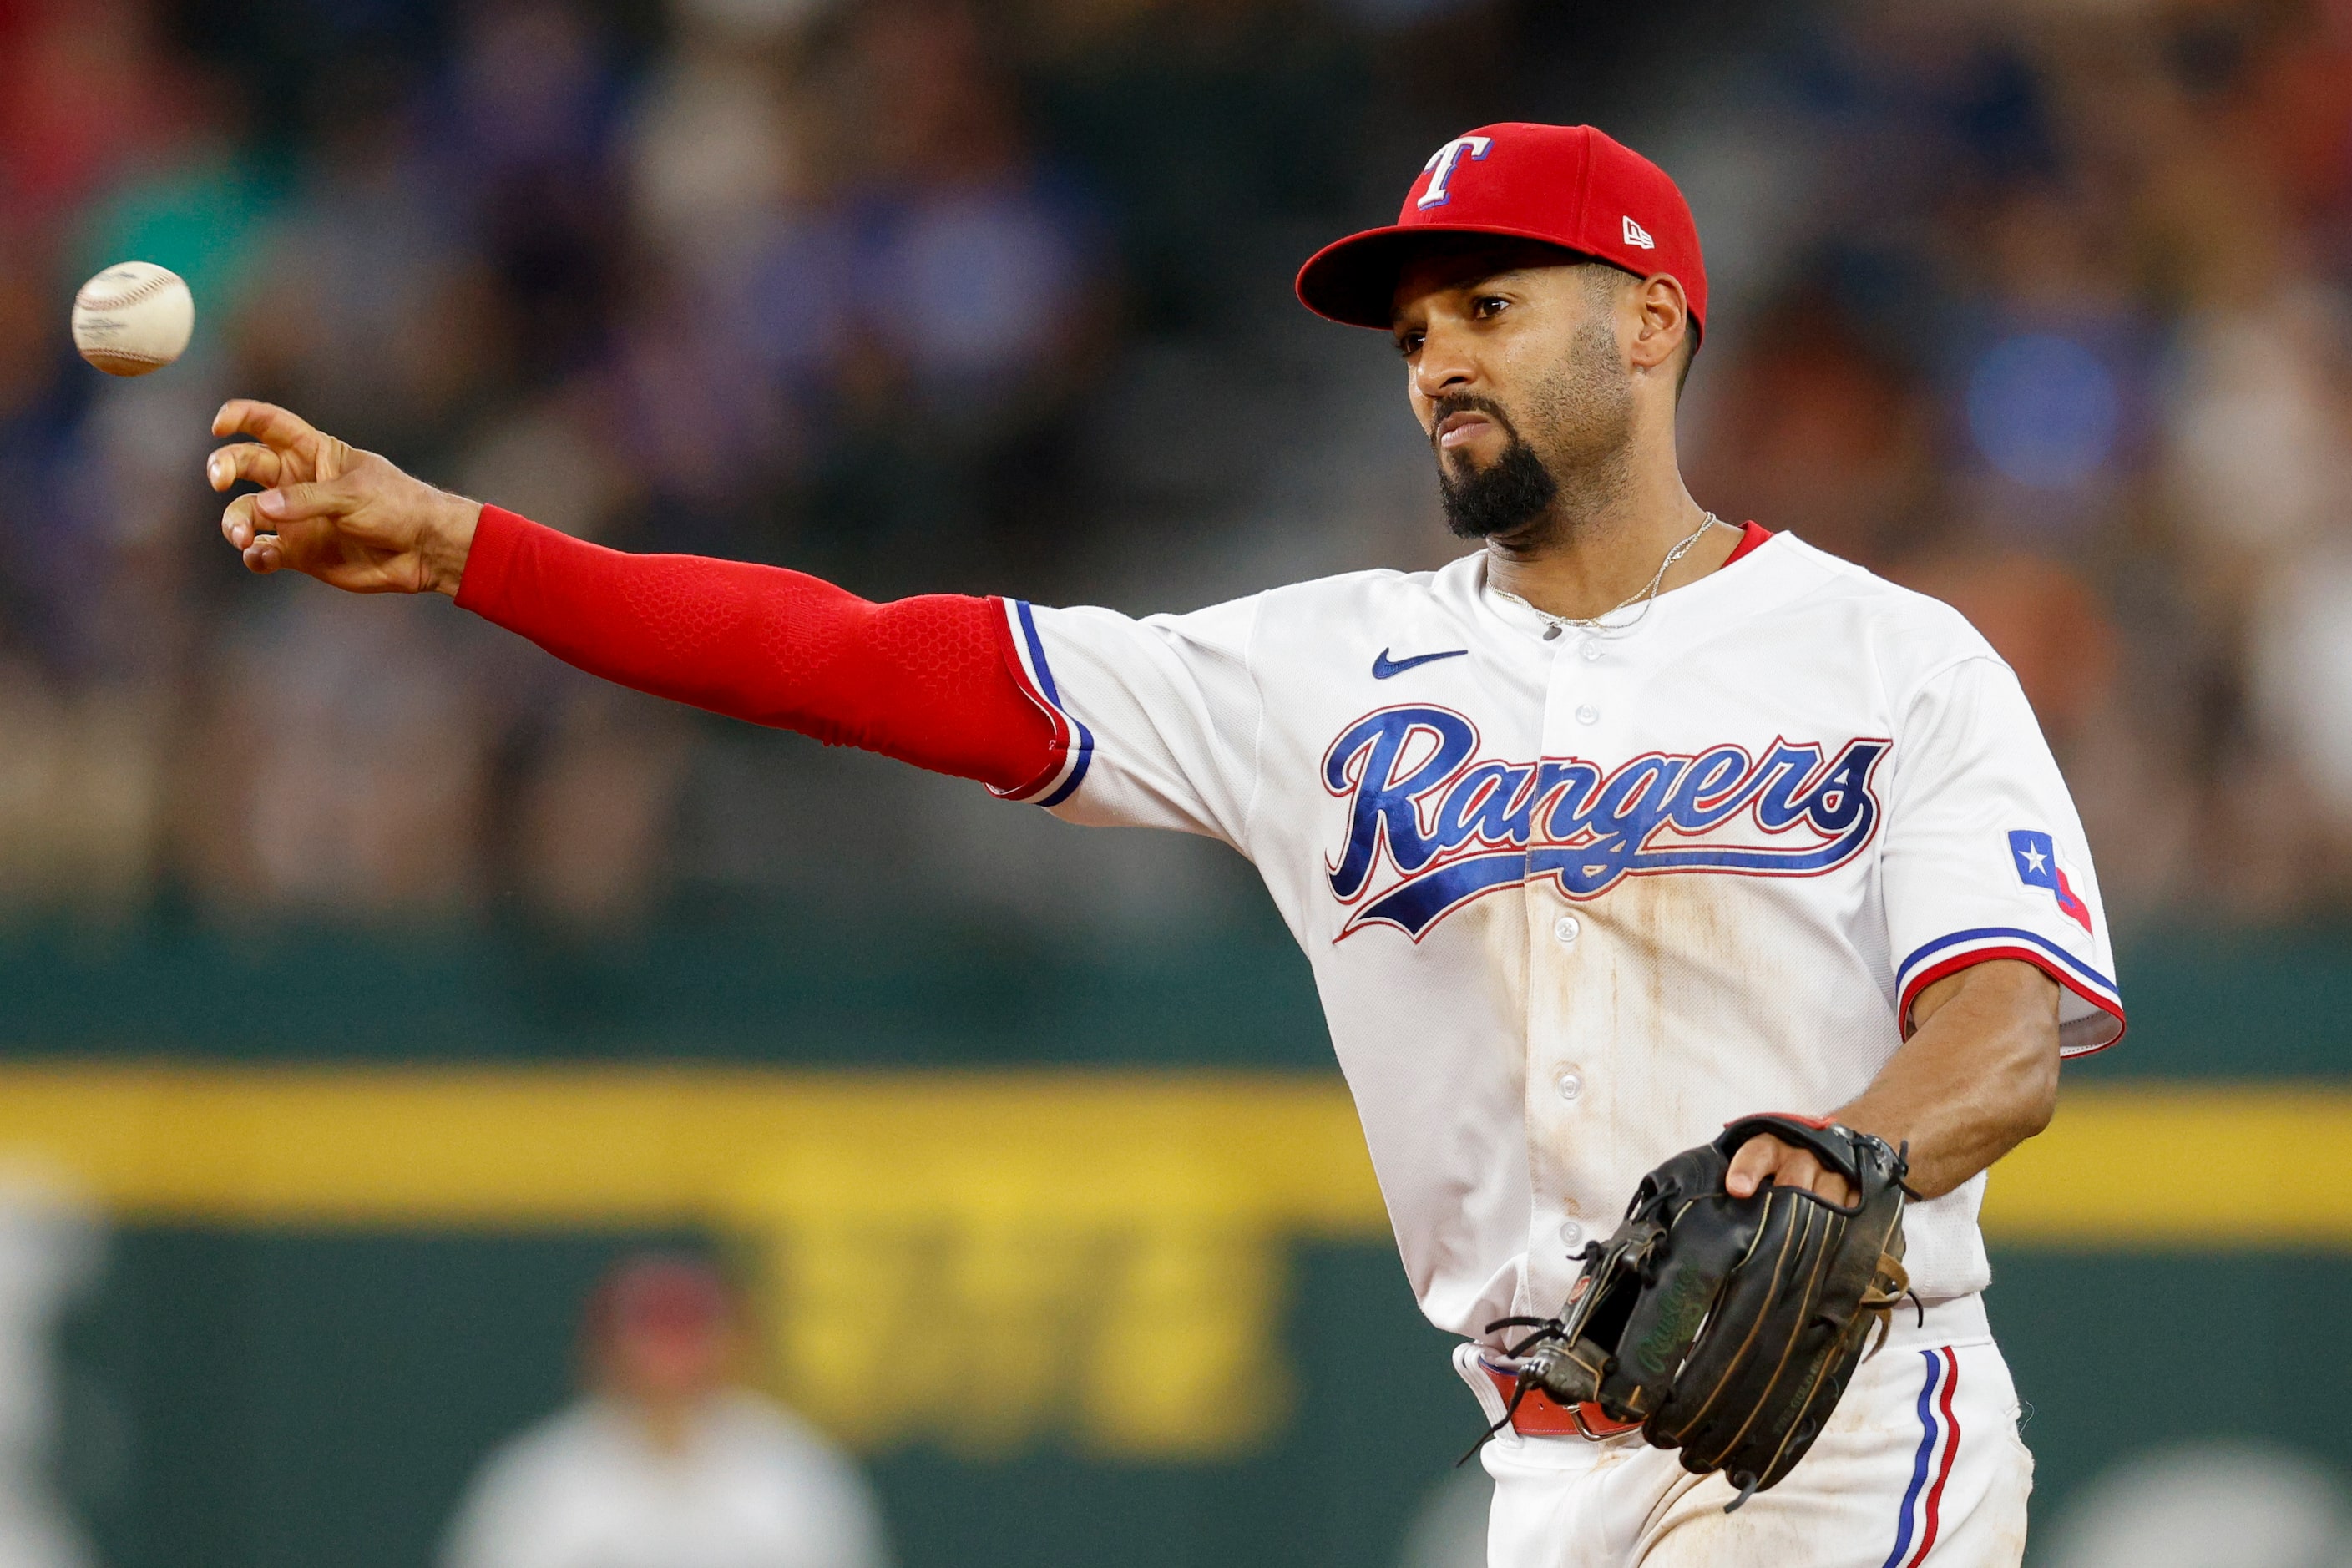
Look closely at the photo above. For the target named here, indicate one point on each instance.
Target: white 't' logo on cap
(1636, 235)
(1440, 167)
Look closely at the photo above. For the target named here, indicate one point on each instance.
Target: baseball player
(1627, 824)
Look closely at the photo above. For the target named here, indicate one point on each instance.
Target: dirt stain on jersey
(1697, 1533)
(1502, 918)
(1665, 945)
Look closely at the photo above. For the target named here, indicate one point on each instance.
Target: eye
(1409, 343)
(1487, 307)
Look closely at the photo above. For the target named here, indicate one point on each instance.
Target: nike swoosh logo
(1384, 667)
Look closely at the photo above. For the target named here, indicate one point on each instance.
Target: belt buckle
(1613, 1429)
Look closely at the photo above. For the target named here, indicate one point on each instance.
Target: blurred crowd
(2051, 321)
(2042, 306)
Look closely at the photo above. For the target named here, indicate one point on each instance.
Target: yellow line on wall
(2221, 1165)
(569, 1147)
(2125, 1165)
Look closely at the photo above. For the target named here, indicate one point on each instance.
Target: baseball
(132, 317)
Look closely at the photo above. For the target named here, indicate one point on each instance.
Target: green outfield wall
(280, 1399)
(351, 1231)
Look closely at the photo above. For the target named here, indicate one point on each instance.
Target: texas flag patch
(2038, 866)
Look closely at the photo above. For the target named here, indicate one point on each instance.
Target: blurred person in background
(1813, 424)
(1449, 1528)
(2215, 1501)
(2054, 629)
(928, 309)
(668, 1461)
(51, 1246)
(345, 781)
(525, 122)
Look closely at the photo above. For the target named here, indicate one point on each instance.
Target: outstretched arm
(1977, 1077)
(923, 679)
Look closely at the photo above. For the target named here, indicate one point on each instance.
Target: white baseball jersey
(749, 1486)
(1573, 902)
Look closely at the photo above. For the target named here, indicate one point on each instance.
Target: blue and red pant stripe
(1940, 1443)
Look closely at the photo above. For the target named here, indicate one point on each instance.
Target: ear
(1660, 321)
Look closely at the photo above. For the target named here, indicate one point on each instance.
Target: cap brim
(1354, 281)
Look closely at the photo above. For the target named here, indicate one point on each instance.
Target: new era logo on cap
(1636, 235)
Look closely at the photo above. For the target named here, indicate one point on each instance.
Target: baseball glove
(1728, 1327)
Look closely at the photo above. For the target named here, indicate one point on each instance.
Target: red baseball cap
(1567, 185)
(654, 1293)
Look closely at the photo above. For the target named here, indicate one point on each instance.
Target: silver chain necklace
(1645, 597)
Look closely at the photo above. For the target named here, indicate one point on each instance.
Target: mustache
(1444, 408)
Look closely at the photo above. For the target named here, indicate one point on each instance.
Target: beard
(1586, 414)
(1507, 496)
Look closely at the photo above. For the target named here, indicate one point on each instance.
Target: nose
(1444, 364)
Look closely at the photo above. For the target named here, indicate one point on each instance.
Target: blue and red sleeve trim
(1073, 745)
(1931, 962)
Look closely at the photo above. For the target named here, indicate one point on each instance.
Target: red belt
(1538, 1414)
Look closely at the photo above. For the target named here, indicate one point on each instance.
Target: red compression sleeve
(925, 680)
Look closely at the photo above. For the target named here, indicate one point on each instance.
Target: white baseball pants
(1920, 1468)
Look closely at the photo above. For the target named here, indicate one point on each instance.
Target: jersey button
(1569, 1082)
(1590, 650)
(1588, 714)
(1564, 928)
(1571, 1234)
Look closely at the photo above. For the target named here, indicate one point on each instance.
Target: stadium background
(370, 982)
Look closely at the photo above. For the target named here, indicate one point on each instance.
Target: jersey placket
(1570, 1089)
